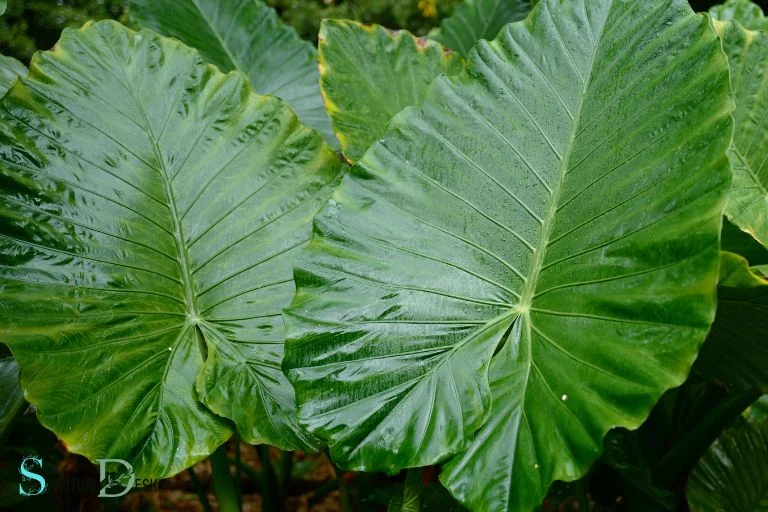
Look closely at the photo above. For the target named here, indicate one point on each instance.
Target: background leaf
(474, 20)
(747, 53)
(733, 476)
(736, 351)
(558, 205)
(10, 70)
(747, 13)
(152, 207)
(368, 74)
(733, 239)
(248, 36)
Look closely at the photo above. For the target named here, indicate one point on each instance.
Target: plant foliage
(509, 291)
(554, 209)
(733, 476)
(368, 74)
(148, 232)
(474, 20)
(747, 52)
(247, 36)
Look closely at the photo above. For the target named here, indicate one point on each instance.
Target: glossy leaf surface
(747, 53)
(526, 260)
(746, 12)
(736, 351)
(368, 74)
(733, 476)
(10, 69)
(151, 210)
(474, 20)
(248, 36)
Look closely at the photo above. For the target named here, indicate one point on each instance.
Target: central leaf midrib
(187, 283)
(540, 252)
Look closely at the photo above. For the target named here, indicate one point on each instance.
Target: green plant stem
(199, 490)
(346, 497)
(680, 460)
(238, 472)
(581, 494)
(223, 487)
(284, 473)
(270, 494)
(344, 491)
(251, 472)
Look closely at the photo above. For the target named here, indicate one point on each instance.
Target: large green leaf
(151, 211)
(747, 13)
(10, 70)
(557, 205)
(3, 6)
(747, 53)
(736, 351)
(733, 475)
(474, 20)
(368, 74)
(248, 36)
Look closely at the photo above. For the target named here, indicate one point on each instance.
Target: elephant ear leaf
(152, 208)
(474, 20)
(368, 74)
(10, 70)
(745, 12)
(747, 53)
(248, 36)
(736, 351)
(733, 475)
(526, 260)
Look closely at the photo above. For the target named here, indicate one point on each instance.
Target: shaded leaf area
(734, 240)
(648, 467)
(733, 476)
(524, 261)
(248, 36)
(13, 398)
(152, 208)
(759, 410)
(474, 20)
(10, 70)
(368, 74)
(747, 53)
(745, 12)
(736, 350)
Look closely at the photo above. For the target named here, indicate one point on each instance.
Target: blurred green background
(30, 25)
